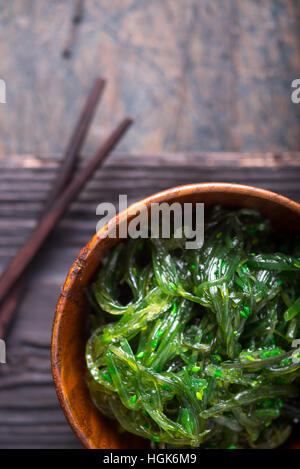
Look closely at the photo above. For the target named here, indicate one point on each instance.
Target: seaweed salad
(196, 347)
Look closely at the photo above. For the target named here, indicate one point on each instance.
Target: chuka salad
(195, 347)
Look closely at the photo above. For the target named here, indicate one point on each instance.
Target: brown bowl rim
(161, 196)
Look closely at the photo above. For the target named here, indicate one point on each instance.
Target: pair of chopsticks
(63, 192)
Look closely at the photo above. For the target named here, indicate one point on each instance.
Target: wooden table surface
(211, 75)
(30, 415)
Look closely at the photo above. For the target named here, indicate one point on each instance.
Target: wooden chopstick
(66, 170)
(75, 144)
(9, 306)
(21, 261)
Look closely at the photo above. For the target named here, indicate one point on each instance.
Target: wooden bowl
(70, 322)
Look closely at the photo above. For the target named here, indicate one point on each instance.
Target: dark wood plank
(25, 182)
(29, 412)
(194, 75)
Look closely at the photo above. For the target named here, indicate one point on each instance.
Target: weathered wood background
(207, 75)
(30, 415)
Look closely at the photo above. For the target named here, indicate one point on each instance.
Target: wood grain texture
(29, 411)
(206, 75)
